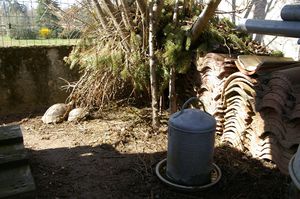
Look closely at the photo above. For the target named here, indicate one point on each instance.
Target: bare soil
(115, 157)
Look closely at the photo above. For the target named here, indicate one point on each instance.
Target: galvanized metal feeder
(189, 164)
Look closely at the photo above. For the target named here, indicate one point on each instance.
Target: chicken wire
(23, 24)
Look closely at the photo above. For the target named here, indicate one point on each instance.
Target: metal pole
(271, 27)
(290, 12)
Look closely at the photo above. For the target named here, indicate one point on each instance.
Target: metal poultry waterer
(191, 137)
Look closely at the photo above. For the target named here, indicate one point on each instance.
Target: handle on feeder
(189, 101)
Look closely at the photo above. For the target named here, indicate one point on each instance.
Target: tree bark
(153, 78)
(202, 21)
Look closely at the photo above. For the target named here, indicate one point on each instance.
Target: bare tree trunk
(172, 86)
(153, 78)
(202, 21)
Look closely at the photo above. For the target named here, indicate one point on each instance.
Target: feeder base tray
(160, 171)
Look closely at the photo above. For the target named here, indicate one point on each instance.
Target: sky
(66, 3)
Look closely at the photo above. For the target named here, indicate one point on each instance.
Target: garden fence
(38, 22)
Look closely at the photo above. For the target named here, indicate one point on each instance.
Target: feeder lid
(193, 121)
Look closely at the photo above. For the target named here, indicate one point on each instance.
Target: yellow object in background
(45, 32)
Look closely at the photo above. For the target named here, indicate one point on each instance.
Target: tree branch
(110, 6)
(202, 21)
(126, 16)
(111, 11)
(100, 14)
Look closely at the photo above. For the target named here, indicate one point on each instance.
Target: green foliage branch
(120, 48)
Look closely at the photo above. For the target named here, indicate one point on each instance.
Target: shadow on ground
(102, 172)
(18, 118)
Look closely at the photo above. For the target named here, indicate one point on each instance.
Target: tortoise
(78, 114)
(56, 113)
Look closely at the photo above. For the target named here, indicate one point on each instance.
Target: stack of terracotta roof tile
(277, 133)
(214, 69)
(258, 107)
(238, 98)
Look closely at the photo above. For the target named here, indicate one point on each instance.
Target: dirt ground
(115, 157)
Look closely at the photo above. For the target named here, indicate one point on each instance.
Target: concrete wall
(263, 9)
(30, 78)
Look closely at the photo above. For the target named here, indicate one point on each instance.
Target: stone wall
(30, 78)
